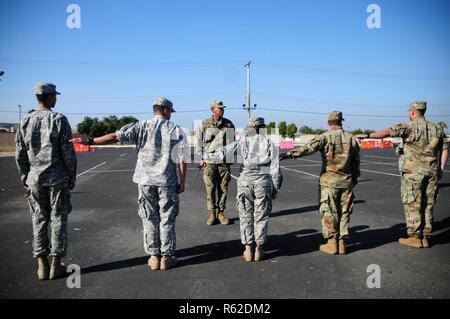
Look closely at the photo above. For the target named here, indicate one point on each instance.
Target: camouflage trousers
(50, 205)
(216, 177)
(254, 203)
(419, 193)
(158, 208)
(336, 206)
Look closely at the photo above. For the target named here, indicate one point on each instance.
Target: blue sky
(308, 56)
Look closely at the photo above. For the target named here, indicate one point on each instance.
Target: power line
(329, 72)
(239, 108)
(117, 64)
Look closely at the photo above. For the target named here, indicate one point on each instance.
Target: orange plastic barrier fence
(81, 148)
(386, 144)
(376, 144)
(369, 144)
(286, 145)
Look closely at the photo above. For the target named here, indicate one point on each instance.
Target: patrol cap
(163, 102)
(218, 104)
(418, 105)
(335, 116)
(256, 122)
(45, 88)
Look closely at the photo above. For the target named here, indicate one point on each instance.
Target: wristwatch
(90, 140)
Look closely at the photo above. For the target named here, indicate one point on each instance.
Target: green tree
(357, 131)
(282, 128)
(306, 130)
(124, 120)
(271, 127)
(97, 128)
(291, 130)
(84, 127)
(443, 125)
(110, 124)
(319, 131)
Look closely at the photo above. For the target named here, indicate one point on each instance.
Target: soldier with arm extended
(162, 147)
(214, 133)
(258, 184)
(339, 174)
(47, 166)
(425, 154)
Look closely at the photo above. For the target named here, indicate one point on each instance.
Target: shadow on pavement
(291, 244)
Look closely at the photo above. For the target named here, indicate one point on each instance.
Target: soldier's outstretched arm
(129, 133)
(102, 140)
(315, 145)
(378, 134)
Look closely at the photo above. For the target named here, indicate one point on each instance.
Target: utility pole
(20, 113)
(248, 87)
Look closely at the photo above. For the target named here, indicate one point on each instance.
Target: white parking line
(383, 173)
(301, 172)
(379, 163)
(363, 170)
(123, 154)
(91, 169)
(391, 158)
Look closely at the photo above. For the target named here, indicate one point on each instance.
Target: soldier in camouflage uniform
(340, 172)
(161, 146)
(425, 148)
(259, 182)
(47, 165)
(215, 132)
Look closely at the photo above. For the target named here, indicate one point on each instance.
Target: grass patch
(7, 149)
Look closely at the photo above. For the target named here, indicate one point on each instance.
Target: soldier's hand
(72, 186)
(180, 188)
(202, 164)
(275, 194)
(439, 174)
(27, 190)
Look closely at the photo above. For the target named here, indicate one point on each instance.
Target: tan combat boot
(259, 253)
(248, 253)
(212, 218)
(426, 241)
(223, 220)
(341, 246)
(154, 262)
(411, 242)
(57, 270)
(168, 262)
(43, 268)
(330, 247)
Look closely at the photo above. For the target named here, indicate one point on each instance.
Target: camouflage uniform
(260, 179)
(216, 175)
(422, 142)
(340, 170)
(399, 152)
(259, 182)
(47, 164)
(161, 144)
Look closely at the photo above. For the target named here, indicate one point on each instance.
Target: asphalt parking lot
(105, 239)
